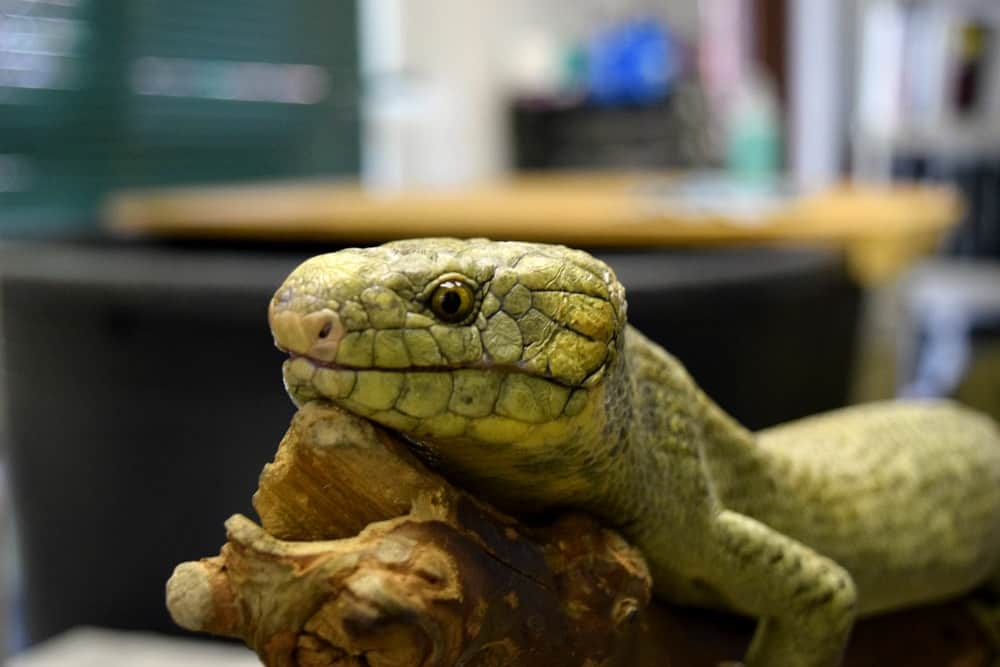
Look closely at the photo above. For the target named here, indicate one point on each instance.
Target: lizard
(511, 367)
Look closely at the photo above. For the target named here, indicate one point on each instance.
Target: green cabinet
(101, 94)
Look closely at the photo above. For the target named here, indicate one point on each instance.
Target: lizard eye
(452, 301)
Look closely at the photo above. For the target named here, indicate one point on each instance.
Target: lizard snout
(315, 335)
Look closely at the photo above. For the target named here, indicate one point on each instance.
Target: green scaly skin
(544, 398)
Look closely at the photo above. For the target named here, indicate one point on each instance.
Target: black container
(144, 394)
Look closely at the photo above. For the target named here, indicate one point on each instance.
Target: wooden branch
(365, 557)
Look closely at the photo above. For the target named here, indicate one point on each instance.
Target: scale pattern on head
(447, 338)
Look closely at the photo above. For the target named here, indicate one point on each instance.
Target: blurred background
(802, 198)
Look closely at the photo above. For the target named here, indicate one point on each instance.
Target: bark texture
(364, 557)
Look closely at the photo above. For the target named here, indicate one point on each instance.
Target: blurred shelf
(882, 228)
(942, 141)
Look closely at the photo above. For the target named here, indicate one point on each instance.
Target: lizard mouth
(484, 364)
(320, 363)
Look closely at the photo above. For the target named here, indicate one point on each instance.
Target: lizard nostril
(323, 331)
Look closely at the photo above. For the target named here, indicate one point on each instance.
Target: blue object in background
(633, 63)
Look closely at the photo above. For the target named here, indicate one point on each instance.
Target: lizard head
(452, 340)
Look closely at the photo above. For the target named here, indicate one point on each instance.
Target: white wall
(818, 63)
(432, 101)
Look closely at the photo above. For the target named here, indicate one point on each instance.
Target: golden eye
(452, 301)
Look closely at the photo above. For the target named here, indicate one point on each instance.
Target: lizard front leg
(805, 602)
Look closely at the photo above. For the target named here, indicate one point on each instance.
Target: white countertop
(94, 647)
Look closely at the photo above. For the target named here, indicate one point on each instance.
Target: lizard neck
(664, 396)
(665, 489)
(672, 429)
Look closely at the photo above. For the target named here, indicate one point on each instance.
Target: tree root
(364, 557)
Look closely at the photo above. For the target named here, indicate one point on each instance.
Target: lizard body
(512, 367)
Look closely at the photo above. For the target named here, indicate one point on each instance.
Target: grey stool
(945, 304)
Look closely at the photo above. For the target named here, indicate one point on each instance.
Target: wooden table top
(882, 229)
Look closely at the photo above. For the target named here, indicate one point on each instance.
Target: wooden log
(366, 557)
